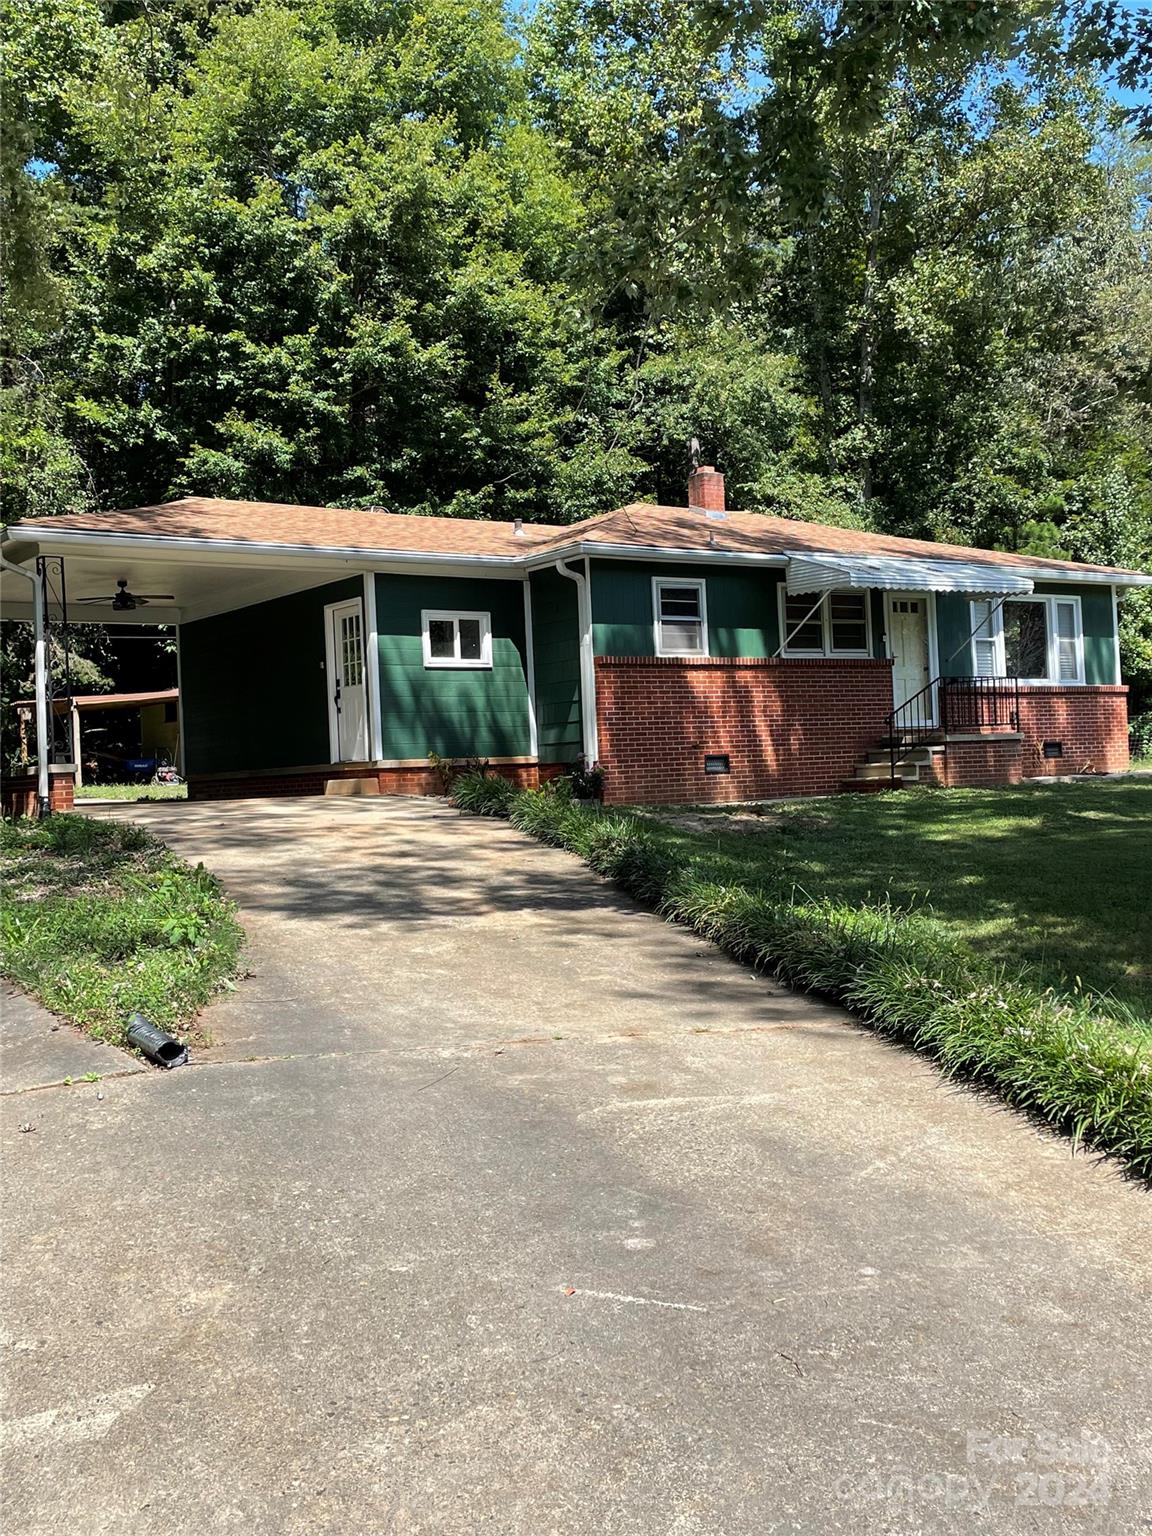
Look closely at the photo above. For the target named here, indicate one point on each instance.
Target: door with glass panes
(347, 682)
(911, 652)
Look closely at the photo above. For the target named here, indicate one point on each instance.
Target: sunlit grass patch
(99, 920)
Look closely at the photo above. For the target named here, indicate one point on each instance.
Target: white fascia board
(269, 556)
(659, 552)
(1095, 578)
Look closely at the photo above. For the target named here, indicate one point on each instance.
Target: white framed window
(841, 625)
(985, 642)
(456, 639)
(680, 608)
(1039, 639)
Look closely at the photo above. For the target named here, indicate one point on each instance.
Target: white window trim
(824, 614)
(457, 662)
(658, 585)
(1050, 599)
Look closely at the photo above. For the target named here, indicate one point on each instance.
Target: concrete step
(869, 786)
(906, 755)
(866, 772)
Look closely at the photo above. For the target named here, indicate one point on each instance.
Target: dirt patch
(748, 818)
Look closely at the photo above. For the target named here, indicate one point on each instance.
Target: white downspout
(587, 663)
(530, 670)
(43, 741)
(1115, 634)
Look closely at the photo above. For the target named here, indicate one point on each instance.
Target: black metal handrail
(980, 703)
(950, 704)
(912, 724)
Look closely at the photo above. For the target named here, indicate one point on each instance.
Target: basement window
(454, 639)
(681, 617)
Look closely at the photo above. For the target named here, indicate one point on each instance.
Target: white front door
(347, 684)
(911, 652)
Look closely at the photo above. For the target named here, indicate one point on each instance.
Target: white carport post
(76, 745)
(40, 641)
(43, 738)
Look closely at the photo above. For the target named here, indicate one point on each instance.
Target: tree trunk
(865, 405)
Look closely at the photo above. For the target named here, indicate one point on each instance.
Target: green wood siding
(1099, 635)
(462, 712)
(954, 625)
(556, 655)
(742, 608)
(253, 689)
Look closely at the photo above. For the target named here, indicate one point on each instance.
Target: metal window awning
(827, 573)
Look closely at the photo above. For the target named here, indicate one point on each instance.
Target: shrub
(483, 796)
(1062, 1059)
(1140, 735)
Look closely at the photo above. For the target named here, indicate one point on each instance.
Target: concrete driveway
(501, 1206)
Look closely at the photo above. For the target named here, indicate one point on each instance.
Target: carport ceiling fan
(124, 601)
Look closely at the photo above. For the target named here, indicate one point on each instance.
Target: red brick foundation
(1090, 723)
(787, 727)
(18, 792)
(407, 780)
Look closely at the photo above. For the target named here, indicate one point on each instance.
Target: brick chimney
(706, 489)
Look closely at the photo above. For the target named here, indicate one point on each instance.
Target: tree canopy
(890, 264)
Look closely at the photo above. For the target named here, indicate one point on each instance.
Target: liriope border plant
(1063, 1059)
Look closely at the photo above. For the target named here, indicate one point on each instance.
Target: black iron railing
(980, 703)
(948, 705)
(912, 724)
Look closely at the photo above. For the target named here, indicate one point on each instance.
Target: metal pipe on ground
(155, 1043)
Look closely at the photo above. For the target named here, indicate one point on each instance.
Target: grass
(132, 792)
(1057, 878)
(1080, 1066)
(99, 920)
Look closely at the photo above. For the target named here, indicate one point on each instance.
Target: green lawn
(98, 919)
(1058, 876)
(132, 792)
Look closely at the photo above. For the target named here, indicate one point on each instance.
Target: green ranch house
(695, 654)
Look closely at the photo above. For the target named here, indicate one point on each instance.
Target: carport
(55, 578)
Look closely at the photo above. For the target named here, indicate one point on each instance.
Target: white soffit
(828, 573)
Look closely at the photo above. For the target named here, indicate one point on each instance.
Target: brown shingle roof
(274, 522)
(639, 526)
(642, 524)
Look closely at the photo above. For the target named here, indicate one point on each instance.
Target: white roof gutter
(368, 559)
(83, 540)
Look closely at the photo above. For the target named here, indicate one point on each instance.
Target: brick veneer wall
(410, 780)
(1091, 724)
(971, 764)
(18, 792)
(788, 727)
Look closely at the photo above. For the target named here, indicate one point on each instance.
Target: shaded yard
(1058, 876)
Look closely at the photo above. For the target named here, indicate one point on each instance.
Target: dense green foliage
(99, 919)
(888, 263)
(1082, 1066)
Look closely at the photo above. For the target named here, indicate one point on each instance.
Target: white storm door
(347, 683)
(911, 654)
